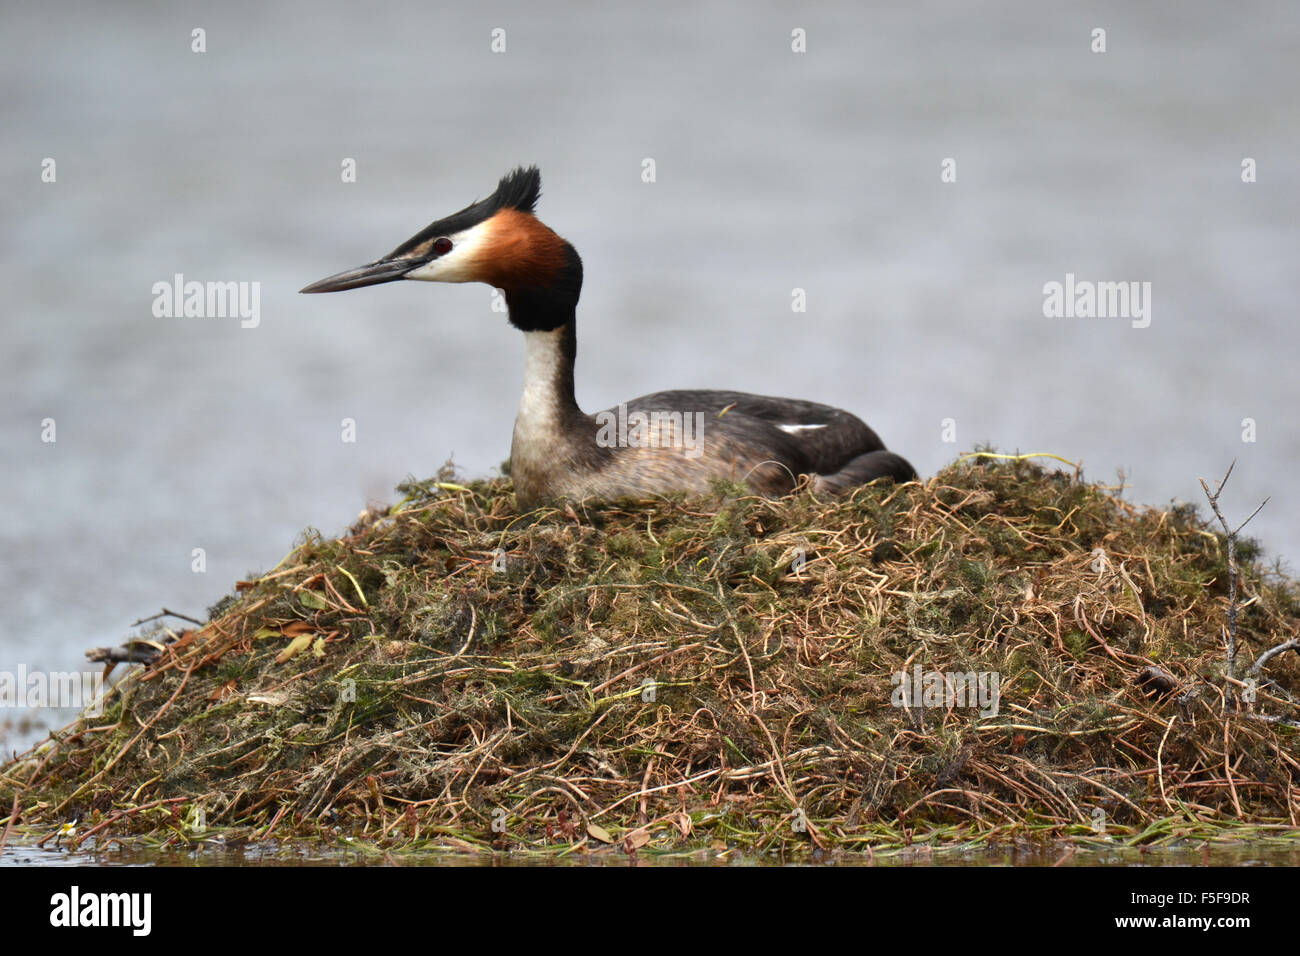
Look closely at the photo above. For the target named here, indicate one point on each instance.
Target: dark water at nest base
(272, 853)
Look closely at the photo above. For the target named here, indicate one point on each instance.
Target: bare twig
(1231, 534)
(9, 824)
(138, 652)
(1275, 719)
(1293, 644)
(166, 613)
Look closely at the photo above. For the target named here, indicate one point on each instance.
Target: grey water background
(775, 171)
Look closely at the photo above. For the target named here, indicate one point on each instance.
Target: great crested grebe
(665, 442)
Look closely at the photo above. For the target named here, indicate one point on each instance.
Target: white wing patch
(795, 429)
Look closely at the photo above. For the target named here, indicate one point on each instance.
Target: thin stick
(166, 613)
(1231, 533)
(1293, 644)
(9, 825)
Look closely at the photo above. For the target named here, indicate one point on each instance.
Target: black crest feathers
(518, 189)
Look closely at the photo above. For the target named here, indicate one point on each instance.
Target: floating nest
(680, 675)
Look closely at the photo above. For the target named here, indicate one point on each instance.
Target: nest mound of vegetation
(676, 675)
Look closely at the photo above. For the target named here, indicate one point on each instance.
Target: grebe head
(496, 240)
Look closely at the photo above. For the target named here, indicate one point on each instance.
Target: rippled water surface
(275, 854)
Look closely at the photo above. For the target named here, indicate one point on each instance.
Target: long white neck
(547, 406)
(541, 404)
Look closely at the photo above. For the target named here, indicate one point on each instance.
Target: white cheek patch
(795, 429)
(463, 263)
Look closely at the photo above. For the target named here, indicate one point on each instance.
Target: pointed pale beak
(381, 270)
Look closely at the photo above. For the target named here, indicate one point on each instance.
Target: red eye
(442, 246)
